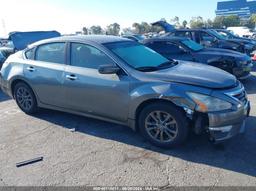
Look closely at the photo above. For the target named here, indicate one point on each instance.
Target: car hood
(22, 39)
(196, 74)
(166, 26)
(217, 52)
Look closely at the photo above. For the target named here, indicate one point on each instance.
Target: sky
(68, 16)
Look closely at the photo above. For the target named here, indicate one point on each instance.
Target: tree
(176, 21)
(184, 24)
(218, 22)
(137, 28)
(96, 30)
(85, 30)
(197, 22)
(252, 21)
(231, 21)
(208, 23)
(113, 29)
(228, 21)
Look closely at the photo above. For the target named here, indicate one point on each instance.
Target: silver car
(121, 81)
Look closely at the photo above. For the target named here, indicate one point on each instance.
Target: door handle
(71, 77)
(31, 69)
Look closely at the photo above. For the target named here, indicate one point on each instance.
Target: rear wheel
(163, 124)
(25, 98)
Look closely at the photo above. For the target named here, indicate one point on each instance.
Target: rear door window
(53, 52)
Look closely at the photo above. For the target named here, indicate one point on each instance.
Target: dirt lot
(104, 154)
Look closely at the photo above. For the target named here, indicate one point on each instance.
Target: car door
(88, 91)
(44, 70)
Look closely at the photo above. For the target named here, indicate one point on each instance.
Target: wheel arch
(142, 105)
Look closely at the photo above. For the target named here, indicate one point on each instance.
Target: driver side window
(206, 39)
(87, 56)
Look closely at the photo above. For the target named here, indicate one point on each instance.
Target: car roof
(172, 39)
(99, 39)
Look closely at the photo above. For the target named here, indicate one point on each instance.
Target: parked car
(135, 37)
(233, 62)
(2, 59)
(122, 81)
(19, 40)
(241, 31)
(229, 35)
(210, 38)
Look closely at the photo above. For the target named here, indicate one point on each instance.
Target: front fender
(164, 92)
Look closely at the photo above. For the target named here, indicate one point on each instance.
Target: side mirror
(108, 69)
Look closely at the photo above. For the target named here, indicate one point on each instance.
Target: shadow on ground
(3, 97)
(237, 155)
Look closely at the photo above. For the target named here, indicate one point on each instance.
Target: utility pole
(4, 27)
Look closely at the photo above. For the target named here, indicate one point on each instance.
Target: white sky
(25, 15)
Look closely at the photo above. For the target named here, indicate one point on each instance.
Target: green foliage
(184, 24)
(224, 22)
(85, 30)
(197, 22)
(113, 29)
(96, 30)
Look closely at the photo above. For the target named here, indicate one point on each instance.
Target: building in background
(243, 8)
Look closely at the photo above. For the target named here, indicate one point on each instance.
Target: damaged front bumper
(223, 126)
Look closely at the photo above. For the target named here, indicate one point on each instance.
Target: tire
(175, 129)
(25, 98)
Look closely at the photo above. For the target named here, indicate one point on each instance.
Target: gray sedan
(121, 81)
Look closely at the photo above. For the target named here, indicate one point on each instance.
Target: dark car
(2, 59)
(229, 35)
(233, 62)
(122, 81)
(135, 37)
(210, 38)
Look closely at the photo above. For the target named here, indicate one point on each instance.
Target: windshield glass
(217, 35)
(192, 45)
(136, 55)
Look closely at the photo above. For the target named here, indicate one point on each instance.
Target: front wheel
(25, 98)
(163, 124)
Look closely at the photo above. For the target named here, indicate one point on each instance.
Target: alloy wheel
(161, 126)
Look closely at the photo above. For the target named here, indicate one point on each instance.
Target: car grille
(239, 95)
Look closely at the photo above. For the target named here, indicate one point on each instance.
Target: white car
(241, 31)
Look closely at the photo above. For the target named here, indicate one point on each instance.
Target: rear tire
(163, 124)
(25, 98)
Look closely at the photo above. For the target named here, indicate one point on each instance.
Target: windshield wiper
(147, 68)
(164, 65)
(168, 64)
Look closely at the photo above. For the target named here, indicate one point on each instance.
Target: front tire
(163, 124)
(25, 98)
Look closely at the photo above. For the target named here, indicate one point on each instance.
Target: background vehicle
(121, 81)
(135, 37)
(241, 31)
(19, 40)
(229, 35)
(210, 38)
(233, 62)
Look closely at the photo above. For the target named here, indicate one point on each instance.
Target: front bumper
(223, 126)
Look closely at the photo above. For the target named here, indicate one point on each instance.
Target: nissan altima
(119, 80)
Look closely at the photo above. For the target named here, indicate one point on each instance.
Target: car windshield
(217, 35)
(192, 45)
(138, 56)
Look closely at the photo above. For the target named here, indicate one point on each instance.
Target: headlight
(208, 103)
